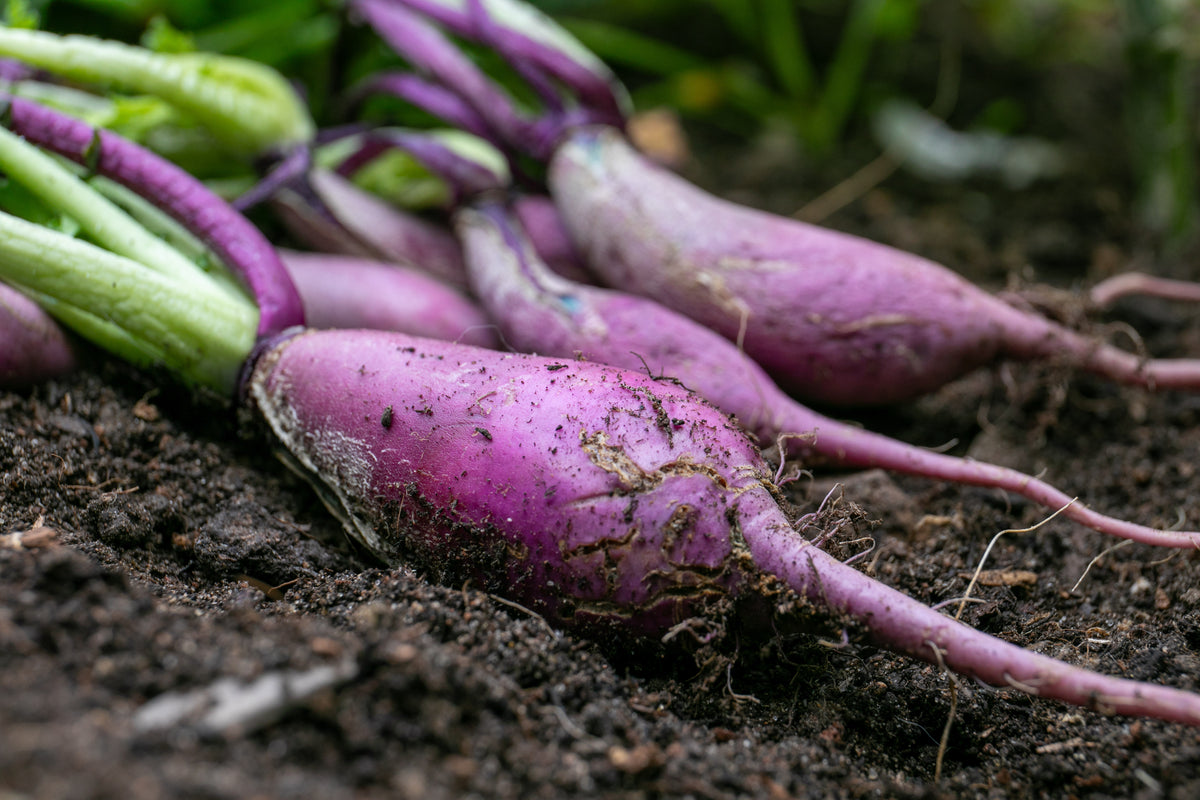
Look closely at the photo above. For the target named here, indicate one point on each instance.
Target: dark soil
(180, 617)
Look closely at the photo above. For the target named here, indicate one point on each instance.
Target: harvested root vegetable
(32, 345)
(348, 292)
(538, 311)
(603, 498)
(833, 318)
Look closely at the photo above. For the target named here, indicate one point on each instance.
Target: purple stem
(242, 247)
(12, 70)
(526, 54)
(486, 31)
(430, 51)
(293, 166)
(32, 345)
(466, 178)
(437, 100)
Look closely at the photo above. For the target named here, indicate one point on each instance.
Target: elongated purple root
(32, 345)
(413, 37)
(1108, 291)
(352, 221)
(242, 247)
(537, 311)
(541, 222)
(601, 498)
(831, 317)
(348, 292)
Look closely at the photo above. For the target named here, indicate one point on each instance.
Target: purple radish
(347, 292)
(540, 312)
(832, 317)
(32, 345)
(603, 499)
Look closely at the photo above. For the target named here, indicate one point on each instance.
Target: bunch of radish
(831, 317)
(604, 498)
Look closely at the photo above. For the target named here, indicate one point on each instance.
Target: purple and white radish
(347, 292)
(832, 317)
(538, 311)
(32, 345)
(603, 499)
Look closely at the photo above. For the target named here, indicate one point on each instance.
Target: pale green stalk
(202, 336)
(246, 105)
(162, 225)
(96, 329)
(106, 224)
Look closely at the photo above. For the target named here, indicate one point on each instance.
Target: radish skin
(832, 317)
(540, 312)
(33, 347)
(347, 292)
(600, 498)
(1108, 291)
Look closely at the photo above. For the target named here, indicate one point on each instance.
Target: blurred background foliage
(961, 84)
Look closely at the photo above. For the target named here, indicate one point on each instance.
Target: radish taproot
(1110, 290)
(347, 292)
(832, 317)
(33, 347)
(603, 498)
(538, 311)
